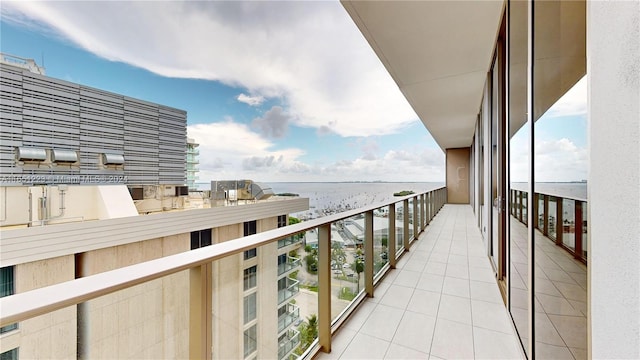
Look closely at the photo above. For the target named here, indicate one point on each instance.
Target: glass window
(282, 221)
(250, 277)
(6, 289)
(10, 355)
(251, 253)
(200, 238)
(250, 228)
(250, 306)
(250, 340)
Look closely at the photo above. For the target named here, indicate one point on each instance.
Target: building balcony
(290, 316)
(292, 288)
(289, 265)
(288, 343)
(290, 240)
(127, 307)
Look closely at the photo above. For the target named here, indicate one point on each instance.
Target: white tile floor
(441, 302)
(561, 296)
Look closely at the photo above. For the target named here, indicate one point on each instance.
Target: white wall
(613, 73)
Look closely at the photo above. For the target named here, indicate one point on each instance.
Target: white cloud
(251, 100)
(274, 124)
(230, 150)
(572, 103)
(555, 160)
(309, 54)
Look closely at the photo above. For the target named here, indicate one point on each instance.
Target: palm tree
(358, 266)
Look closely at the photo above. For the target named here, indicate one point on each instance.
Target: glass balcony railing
(561, 219)
(295, 239)
(291, 315)
(290, 264)
(288, 343)
(131, 308)
(292, 288)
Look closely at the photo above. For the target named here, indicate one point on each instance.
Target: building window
(200, 238)
(6, 289)
(250, 275)
(282, 221)
(251, 253)
(250, 340)
(250, 228)
(10, 355)
(250, 306)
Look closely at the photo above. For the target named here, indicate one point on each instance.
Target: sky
(274, 91)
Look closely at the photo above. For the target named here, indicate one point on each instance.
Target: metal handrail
(29, 304)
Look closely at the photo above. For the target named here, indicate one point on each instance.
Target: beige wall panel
(50, 336)
(458, 176)
(145, 321)
(268, 300)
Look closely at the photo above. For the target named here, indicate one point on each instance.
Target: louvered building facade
(55, 131)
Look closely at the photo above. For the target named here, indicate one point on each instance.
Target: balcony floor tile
(441, 301)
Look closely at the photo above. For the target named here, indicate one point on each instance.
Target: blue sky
(270, 94)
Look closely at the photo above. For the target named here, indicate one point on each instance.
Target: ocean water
(340, 196)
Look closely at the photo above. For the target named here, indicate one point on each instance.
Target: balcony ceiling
(439, 53)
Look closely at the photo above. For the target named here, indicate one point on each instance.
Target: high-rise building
(192, 164)
(82, 169)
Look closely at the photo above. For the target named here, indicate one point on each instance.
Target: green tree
(338, 255)
(312, 263)
(293, 221)
(358, 267)
(312, 328)
(385, 241)
(308, 332)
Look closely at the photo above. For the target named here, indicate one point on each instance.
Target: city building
(490, 270)
(192, 164)
(93, 181)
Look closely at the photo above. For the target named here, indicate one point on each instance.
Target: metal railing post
(391, 240)
(405, 215)
(559, 228)
(200, 311)
(416, 215)
(324, 287)
(423, 222)
(368, 253)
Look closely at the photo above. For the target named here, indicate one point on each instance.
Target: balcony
(288, 343)
(290, 240)
(291, 289)
(291, 315)
(126, 307)
(290, 264)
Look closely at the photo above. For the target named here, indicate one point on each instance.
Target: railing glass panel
(410, 210)
(568, 224)
(380, 239)
(552, 219)
(400, 226)
(541, 214)
(307, 299)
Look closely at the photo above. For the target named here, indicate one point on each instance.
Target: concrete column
(200, 311)
(613, 55)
